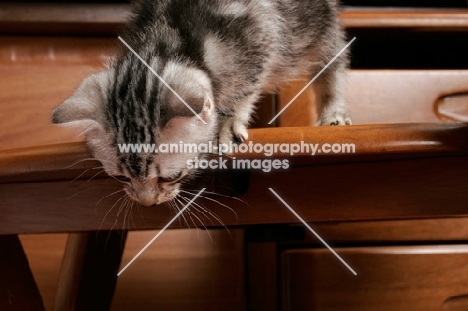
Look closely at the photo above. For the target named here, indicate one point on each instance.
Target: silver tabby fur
(220, 56)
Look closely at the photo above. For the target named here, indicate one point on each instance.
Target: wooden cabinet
(408, 65)
(404, 278)
(38, 73)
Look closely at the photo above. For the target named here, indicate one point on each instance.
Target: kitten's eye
(122, 178)
(169, 179)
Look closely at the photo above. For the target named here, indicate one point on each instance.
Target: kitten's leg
(329, 93)
(233, 122)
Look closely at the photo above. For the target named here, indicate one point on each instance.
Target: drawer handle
(455, 303)
(453, 108)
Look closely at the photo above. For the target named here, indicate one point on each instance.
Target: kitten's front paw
(240, 132)
(339, 118)
(232, 131)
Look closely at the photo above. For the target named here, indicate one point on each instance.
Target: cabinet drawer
(388, 96)
(408, 278)
(405, 96)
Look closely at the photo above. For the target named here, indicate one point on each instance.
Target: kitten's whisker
(79, 161)
(120, 208)
(216, 201)
(204, 226)
(221, 195)
(190, 215)
(185, 220)
(117, 216)
(125, 211)
(222, 204)
(128, 213)
(95, 175)
(100, 200)
(132, 203)
(194, 206)
(216, 217)
(174, 210)
(82, 173)
(198, 218)
(201, 222)
(120, 181)
(105, 216)
(141, 215)
(78, 192)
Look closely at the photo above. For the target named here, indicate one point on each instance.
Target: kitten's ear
(193, 86)
(84, 107)
(191, 101)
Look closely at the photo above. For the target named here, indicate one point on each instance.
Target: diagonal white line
(160, 232)
(311, 81)
(312, 230)
(161, 79)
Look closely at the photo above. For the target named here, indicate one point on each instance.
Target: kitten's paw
(232, 132)
(240, 132)
(339, 118)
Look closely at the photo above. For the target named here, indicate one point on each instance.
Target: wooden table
(400, 171)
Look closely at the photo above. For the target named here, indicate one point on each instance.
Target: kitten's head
(128, 104)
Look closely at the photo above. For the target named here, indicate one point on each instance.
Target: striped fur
(220, 56)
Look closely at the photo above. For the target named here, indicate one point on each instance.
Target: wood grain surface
(419, 230)
(38, 74)
(386, 96)
(434, 19)
(183, 269)
(418, 172)
(406, 278)
(17, 286)
(92, 19)
(403, 171)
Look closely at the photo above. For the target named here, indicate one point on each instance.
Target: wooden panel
(408, 278)
(393, 141)
(183, 270)
(409, 185)
(42, 72)
(450, 229)
(59, 18)
(302, 111)
(45, 252)
(16, 18)
(434, 19)
(264, 112)
(383, 96)
(262, 277)
(399, 96)
(65, 62)
(18, 290)
(457, 303)
(89, 270)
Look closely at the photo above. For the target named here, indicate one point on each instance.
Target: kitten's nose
(145, 193)
(147, 198)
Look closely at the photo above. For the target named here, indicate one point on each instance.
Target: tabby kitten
(219, 56)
